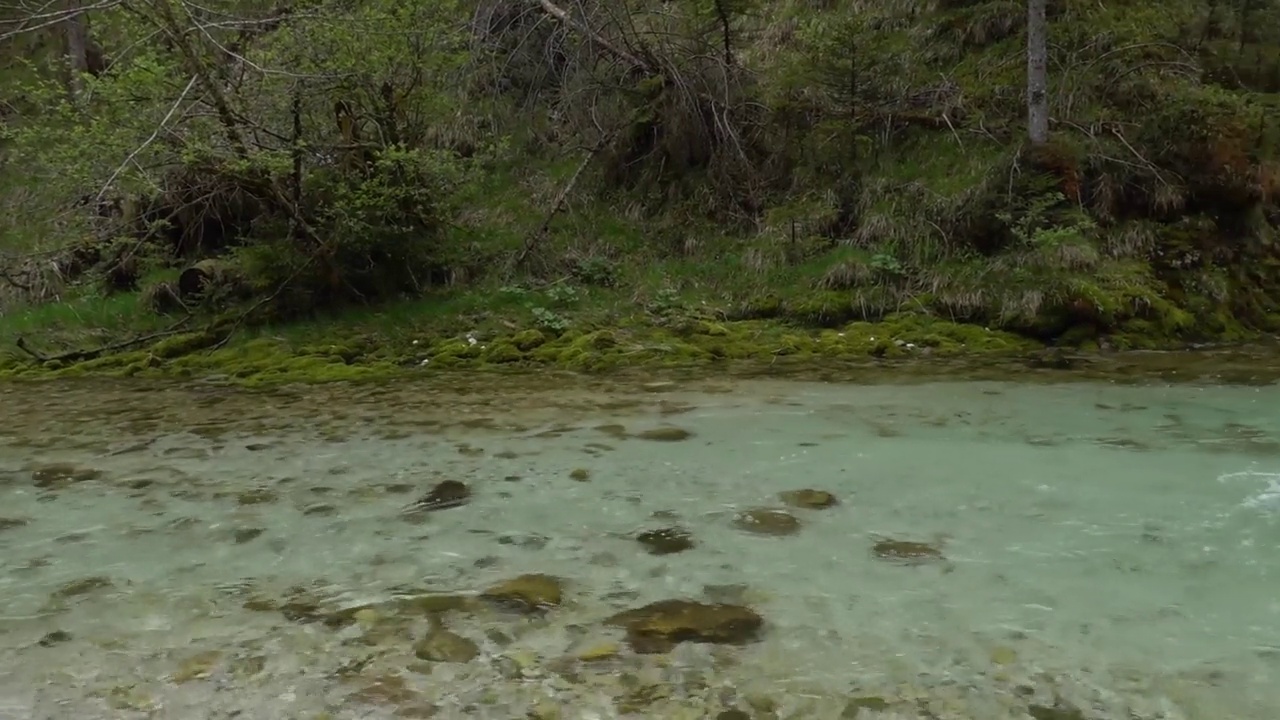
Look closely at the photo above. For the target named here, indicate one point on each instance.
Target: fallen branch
(93, 353)
(637, 63)
(269, 298)
(537, 235)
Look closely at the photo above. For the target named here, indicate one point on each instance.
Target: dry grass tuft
(847, 275)
(1133, 241)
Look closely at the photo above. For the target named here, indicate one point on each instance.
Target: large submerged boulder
(660, 626)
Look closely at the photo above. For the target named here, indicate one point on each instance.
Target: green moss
(767, 305)
(527, 340)
(183, 344)
(503, 352)
(822, 309)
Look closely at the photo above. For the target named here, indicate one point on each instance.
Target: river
(1052, 545)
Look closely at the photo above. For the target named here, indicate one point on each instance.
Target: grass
(86, 317)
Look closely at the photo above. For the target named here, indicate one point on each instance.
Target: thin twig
(163, 122)
(82, 355)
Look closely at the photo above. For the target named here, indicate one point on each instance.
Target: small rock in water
(580, 474)
(665, 434)
(527, 593)
(60, 474)
(446, 494)
(808, 499)
(528, 542)
(767, 521)
(907, 551)
(244, 535)
(53, 638)
(666, 541)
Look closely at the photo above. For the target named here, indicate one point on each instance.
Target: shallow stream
(1059, 549)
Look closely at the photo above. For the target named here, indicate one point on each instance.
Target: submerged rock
(1053, 359)
(248, 534)
(873, 704)
(665, 434)
(1003, 655)
(196, 667)
(666, 541)
(808, 499)
(83, 586)
(612, 430)
(767, 521)
(527, 593)
(597, 651)
(11, 523)
(908, 552)
(429, 603)
(302, 611)
(61, 474)
(256, 496)
(443, 645)
(1059, 711)
(660, 626)
(446, 494)
(54, 638)
(387, 689)
(638, 699)
(580, 474)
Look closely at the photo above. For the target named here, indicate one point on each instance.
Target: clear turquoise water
(1110, 549)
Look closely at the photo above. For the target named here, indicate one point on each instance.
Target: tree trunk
(1037, 74)
(77, 30)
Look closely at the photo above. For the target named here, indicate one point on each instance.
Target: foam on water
(1114, 550)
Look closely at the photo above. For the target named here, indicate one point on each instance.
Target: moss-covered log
(211, 275)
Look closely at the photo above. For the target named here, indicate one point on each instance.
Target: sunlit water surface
(1109, 551)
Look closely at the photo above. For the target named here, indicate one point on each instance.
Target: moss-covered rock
(808, 499)
(908, 552)
(666, 541)
(443, 645)
(443, 495)
(527, 340)
(527, 593)
(767, 521)
(659, 626)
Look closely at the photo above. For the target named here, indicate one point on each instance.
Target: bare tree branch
(44, 20)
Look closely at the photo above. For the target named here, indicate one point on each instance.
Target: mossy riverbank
(399, 342)
(330, 352)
